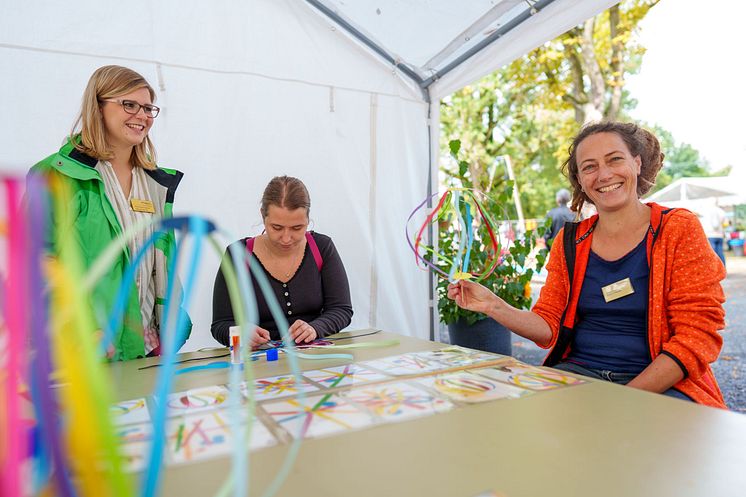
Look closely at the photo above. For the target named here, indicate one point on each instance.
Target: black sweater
(320, 298)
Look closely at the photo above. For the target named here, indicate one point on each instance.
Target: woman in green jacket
(108, 166)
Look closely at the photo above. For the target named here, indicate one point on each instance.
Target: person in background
(633, 293)
(559, 215)
(109, 164)
(303, 268)
(712, 218)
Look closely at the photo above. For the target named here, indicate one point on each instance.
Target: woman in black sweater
(303, 268)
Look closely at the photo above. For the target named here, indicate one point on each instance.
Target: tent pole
(433, 140)
(372, 220)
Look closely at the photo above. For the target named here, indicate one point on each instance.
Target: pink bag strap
(314, 250)
(311, 244)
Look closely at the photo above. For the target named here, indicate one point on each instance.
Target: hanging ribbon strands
(465, 228)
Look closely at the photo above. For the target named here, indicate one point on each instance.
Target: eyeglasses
(132, 107)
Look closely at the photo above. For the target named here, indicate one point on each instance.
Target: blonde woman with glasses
(109, 164)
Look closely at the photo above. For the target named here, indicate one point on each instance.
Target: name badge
(617, 290)
(142, 205)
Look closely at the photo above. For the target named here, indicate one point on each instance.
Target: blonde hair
(89, 132)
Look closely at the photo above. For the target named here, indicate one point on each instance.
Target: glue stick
(235, 345)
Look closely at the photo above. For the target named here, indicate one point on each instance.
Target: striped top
(128, 218)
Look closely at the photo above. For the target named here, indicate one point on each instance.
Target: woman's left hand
(302, 332)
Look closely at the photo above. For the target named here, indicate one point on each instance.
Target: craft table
(596, 439)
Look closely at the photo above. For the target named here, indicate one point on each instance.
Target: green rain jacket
(91, 218)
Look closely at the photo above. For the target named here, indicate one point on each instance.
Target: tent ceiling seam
(535, 9)
(207, 70)
(488, 18)
(365, 40)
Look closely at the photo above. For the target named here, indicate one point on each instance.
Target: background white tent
(726, 191)
(342, 94)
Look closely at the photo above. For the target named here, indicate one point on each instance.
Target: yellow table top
(595, 439)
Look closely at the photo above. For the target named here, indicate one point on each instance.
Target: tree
(531, 108)
(682, 160)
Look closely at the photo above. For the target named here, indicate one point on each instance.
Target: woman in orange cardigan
(633, 293)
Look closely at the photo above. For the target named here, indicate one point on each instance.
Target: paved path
(730, 368)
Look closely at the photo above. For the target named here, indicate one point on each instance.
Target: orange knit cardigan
(685, 308)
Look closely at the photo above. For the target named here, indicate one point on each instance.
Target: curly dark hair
(639, 141)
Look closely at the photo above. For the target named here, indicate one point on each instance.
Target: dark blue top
(613, 336)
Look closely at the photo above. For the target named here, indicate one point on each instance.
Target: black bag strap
(566, 335)
(568, 242)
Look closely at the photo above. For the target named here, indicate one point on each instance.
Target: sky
(693, 77)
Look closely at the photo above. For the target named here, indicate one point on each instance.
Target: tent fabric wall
(250, 90)
(253, 89)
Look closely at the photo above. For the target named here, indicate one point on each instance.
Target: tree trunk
(617, 65)
(594, 109)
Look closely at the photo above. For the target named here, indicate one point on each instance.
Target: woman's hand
(472, 296)
(259, 338)
(302, 332)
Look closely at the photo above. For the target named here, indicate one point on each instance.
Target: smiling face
(607, 171)
(123, 129)
(286, 229)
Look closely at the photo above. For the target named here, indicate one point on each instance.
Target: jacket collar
(75, 164)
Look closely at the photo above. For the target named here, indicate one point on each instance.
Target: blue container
(736, 245)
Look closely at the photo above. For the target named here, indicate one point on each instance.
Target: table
(595, 439)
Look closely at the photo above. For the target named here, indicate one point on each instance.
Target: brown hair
(109, 82)
(287, 192)
(639, 141)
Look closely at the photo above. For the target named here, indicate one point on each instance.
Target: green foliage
(530, 109)
(739, 217)
(512, 277)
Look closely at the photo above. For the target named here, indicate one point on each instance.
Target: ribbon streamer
(455, 207)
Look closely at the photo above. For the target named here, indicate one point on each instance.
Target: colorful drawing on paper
(207, 435)
(342, 376)
(452, 357)
(129, 412)
(197, 400)
(467, 387)
(277, 386)
(526, 376)
(317, 416)
(397, 401)
(405, 364)
(134, 445)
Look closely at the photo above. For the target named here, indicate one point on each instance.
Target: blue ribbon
(212, 365)
(199, 228)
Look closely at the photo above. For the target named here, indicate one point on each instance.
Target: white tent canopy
(342, 94)
(726, 191)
